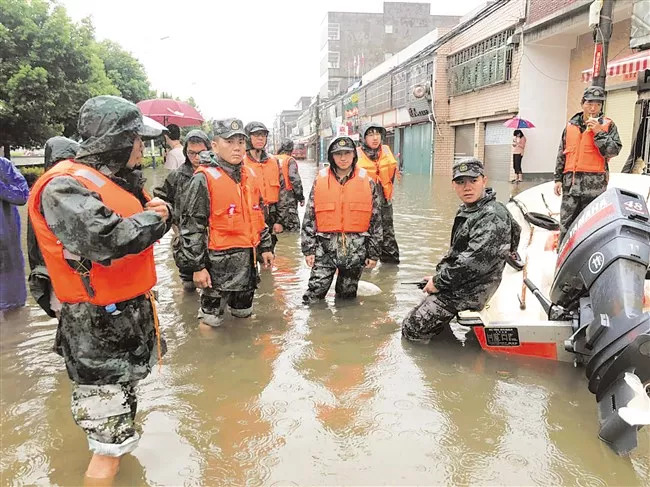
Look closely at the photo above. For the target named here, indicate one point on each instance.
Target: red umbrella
(166, 111)
(519, 123)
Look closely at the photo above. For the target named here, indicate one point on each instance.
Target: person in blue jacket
(13, 191)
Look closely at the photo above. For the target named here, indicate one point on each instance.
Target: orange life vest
(124, 278)
(382, 171)
(343, 208)
(269, 175)
(582, 154)
(236, 218)
(284, 167)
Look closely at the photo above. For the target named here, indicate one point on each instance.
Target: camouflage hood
(345, 143)
(58, 149)
(196, 134)
(108, 126)
(286, 147)
(371, 153)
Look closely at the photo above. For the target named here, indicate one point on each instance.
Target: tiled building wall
(539, 9)
(582, 58)
(484, 103)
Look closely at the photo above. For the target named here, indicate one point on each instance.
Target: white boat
(585, 302)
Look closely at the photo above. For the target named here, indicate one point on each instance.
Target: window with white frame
(333, 32)
(333, 59)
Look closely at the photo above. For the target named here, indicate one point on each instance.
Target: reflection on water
(322, 395)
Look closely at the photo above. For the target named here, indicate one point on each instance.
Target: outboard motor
(599, 281)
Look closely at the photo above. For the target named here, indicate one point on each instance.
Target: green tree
(125, 71)
(49, 66)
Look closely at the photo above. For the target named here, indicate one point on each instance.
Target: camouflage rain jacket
(230, 270)
(585, 183)
(98, 347)
(482, 236)
(349, 250)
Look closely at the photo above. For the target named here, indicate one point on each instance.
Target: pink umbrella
(518, 123)
(166, 111)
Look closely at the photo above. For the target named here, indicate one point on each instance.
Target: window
(333, 32)
(388, 29)
(483, 64)
(333, 87)
(333, 59)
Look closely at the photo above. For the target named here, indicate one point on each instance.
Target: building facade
(353, 43)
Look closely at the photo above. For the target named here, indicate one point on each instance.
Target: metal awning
(629, 65)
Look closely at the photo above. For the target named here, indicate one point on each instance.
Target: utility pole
(602, 34)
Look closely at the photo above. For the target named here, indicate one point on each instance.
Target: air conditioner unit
(422, 91)
(514, 40)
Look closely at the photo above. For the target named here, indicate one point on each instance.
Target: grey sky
(243, 58)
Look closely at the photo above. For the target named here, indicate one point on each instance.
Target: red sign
(598, 59)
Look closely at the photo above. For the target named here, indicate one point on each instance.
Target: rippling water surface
(322, 395)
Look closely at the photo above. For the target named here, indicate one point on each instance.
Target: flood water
(324, 395)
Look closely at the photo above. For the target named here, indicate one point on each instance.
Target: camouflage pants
(570, 209)
(214, 301)
(186, 277)
(321, 279)
(389, 247)
(427, 319)
(107, 414)
(292, 221)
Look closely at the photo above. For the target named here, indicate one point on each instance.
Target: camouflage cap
(594, 93)
(469, 167)
(341, 144)
(228, 127)
(108, 123)
(252, 127)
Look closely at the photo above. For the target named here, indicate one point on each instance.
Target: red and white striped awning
(627, 66)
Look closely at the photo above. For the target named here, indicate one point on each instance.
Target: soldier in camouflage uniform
(256, 156)
(380, 161)
(349, 253)
(482, 236)
(226, 277)
(56, 149)
(106, 351)
(578, 185)
(289, 198)
(175, 187)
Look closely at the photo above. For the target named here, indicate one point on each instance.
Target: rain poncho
(13, 191)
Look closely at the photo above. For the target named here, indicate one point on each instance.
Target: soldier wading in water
(342, 225)
(95, 228)
(483, 235)
(222, 227)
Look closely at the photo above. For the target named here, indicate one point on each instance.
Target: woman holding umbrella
(518, 146)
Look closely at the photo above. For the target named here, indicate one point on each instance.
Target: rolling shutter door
(498, 151)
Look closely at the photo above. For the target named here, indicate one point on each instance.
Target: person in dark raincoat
(378, 160)
(13, 191)
(292, 193)
(483, 235)
(268, 171)
(174, 189)
(588, 142)
(222, 226)
(56, 149)
(346, 250)
(95, 227)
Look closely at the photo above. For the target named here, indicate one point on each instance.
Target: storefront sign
(419, 109)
